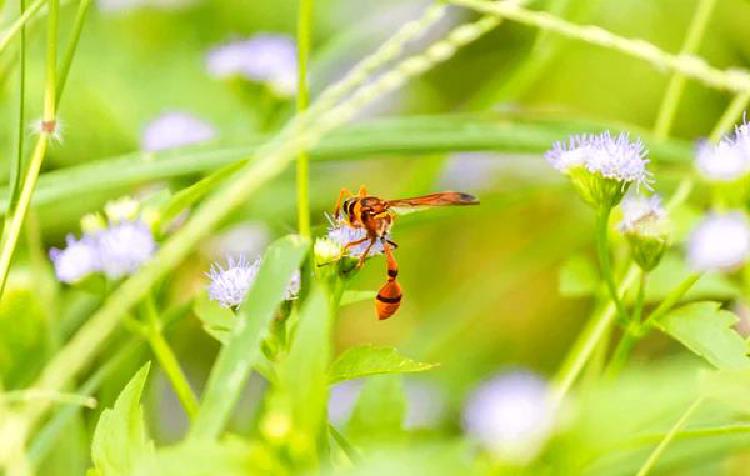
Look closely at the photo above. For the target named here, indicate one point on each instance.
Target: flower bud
(645, 226)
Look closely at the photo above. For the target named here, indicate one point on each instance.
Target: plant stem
(20, 22)
(670, 300)
(659, 450)
(602, 251)
(676, 85)
(16, 166)
(168, 361)
(13, 228)
(731, 113)
(587, 342)
(83, 8)
(632, 331)
(304, 27)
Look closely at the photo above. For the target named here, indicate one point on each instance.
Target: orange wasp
(376, 217)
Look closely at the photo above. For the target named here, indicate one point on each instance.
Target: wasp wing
(440, 199)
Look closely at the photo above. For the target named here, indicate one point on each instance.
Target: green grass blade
(235, 360)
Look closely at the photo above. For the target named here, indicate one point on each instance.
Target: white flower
(613, 158)
(719, 242)
(175, 129)
(230, 285)
(425, 404)
(342, 233)
(511, 415)
(341, 400)
(267, 58)
(723, 162)
(326, 251)
(640, 212)
(124, 247)
(79, 259)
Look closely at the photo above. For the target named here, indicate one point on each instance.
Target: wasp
(376, 216)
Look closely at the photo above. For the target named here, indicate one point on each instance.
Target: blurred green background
(480, 284)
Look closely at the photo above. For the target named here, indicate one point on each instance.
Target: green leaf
(379, 411)
(673, 269)
(301, 393)
(242, 350)
(120, 438)
(217, 321)
(226, 458)
(416, 135)
(354, 296)
(578, 277)
(708, 331)
(366, 360)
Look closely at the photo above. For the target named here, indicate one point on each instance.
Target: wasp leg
(364, 255)
(355, 243)
(391, 242)
(362, 191)
(337, 210)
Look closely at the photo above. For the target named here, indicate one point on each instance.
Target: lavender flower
(230, 285)
(425, 404)
(510, 415)
(643, 215)
(341, 400)
(175, 129)
(124, 247)
(267, 58)
(719, 242)
(341, 233)
(722, 162)
(78, 260)
(616, 158)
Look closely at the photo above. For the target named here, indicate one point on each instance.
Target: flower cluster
(229, 285)
(720, 242)
(265, 58)
(175, 129)
(726, 161)
(340, 233)
(116, 248)
(602, 167)
(644, 224)
(511, 415)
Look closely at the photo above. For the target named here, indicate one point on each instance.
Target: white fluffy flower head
(267, 58)
(342, 233)
(175, 129)
(229, 285)
(642, 215)
(79, 259)
(124, 247)
(726, 161)
(614, 158)
(511, 415)
(721, 242)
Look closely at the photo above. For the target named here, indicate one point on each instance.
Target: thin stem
(17, 164)
(20, 22)
(676, 85)
(689, 65)
(13, 230)
(671, 299)
(304, 27)
(631, 334)
(586, 343)
(733, 111)
(67, 61)
(168, 360)
(659, 450)
(602, 251)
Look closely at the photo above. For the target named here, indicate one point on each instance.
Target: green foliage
(242, 349)
(217, 321)
(578, 277)
(366, 360)
(120, 440)
(708, 331)
(379, 412)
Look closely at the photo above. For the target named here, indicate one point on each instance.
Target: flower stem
(70, 51)
(16, 166)
(676, 84)
(631, 334)
(13, 229)
(670, 300)
(168, 360)
(659, 450)
(602, 251)
(304, 30)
